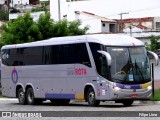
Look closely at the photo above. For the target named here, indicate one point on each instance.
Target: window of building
(157, 25)
(103, 24)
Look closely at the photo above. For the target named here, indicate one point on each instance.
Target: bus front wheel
(91, 98)
(21, 96)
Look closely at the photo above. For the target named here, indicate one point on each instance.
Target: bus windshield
(129, 65)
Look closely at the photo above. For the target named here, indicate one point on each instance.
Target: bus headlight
(149, 87)
(116, 88)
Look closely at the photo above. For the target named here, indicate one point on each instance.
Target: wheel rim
(30, 96)
(21, 96)
(91, 97)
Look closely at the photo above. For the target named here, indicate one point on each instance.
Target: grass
(2, 96)
(156, 96)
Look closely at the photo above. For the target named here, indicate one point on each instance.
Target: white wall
(1, 1)
(16, 2)
(156, 19)
(66, 9)
(94, 24)
(34, 15)
(54, 9)
(106, 28)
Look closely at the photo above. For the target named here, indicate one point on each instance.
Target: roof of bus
(105, 39)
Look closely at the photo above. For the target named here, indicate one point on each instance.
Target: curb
(147, 102)
(8, 99)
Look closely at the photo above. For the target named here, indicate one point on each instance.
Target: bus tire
(91, 98)
(127, 103)
(30, 96)
(21, 96)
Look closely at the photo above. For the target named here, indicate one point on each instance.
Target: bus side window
(67, 54)
(50, 54)
(82, 56)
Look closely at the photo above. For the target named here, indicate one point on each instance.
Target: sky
(112, 8)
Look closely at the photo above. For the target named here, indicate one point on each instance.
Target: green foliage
(147, 46)
(4, 15)
(39, 9)
(154, 43)
(156, 96)
(65, 28)
(45, 25)
(24, 29)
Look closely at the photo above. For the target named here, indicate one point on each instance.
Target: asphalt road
(78, 109)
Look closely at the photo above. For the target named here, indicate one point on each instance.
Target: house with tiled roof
(146, 23)
(96, 23)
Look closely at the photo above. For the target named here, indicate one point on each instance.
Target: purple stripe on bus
(60, 96)
(128, 86)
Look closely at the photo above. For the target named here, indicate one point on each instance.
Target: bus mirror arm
(155, 57)
(107, 55)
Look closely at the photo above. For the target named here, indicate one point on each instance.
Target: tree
(154, 43)
(4, 15)
(24, 29)
(65, 28)
(49, 28)
(45, 25)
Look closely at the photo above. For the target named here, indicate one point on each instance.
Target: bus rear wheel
(21, 96)
(91, 98)
(30, 96)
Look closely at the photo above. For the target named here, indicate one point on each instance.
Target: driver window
(99, 59)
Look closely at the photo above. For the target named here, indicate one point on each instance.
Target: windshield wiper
(136, 66)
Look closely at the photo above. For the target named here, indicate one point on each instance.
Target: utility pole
(59, 11)
(121, 23)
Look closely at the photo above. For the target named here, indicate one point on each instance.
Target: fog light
(117, 88)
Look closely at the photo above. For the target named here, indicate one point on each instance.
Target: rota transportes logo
(14, 76)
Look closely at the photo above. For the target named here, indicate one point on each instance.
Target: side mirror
(107, 55)
(155, 56)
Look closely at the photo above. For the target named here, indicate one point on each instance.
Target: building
(146, 24)
(33, 2)
(1, 2)
(34, 15)
(17, 2)
(97, 24)
(44, 2)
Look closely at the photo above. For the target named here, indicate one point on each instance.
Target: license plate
(134, 95)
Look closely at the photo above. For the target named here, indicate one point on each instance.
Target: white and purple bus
(99, 67)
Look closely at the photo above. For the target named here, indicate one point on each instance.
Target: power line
(139, 10)
(145, 9)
